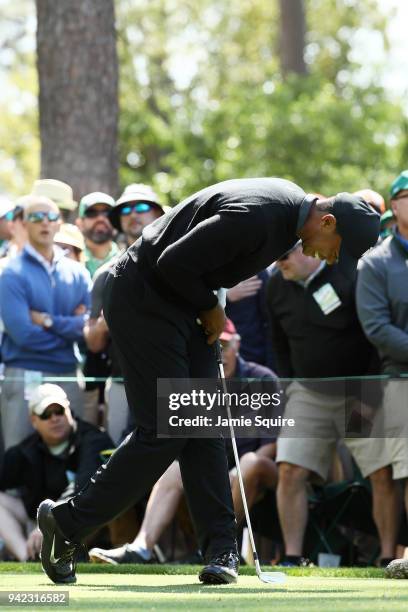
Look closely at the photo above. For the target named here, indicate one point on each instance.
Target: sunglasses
(92, 213)
(39, 216)
(47, 414)
(138, 207)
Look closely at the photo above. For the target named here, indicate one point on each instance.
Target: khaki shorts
(319, 425)
(395, 408)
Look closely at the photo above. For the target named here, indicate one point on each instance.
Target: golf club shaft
(236, 457)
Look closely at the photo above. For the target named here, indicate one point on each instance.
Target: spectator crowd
(338, 347)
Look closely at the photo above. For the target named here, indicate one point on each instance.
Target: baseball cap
(373, 198)
(135, 192)
(45, 395)
(57, 191)
(6, 206)
(229, 331)
(286, 254)
(400, 183)
(387, 216)
(91, 199)
(358, 225)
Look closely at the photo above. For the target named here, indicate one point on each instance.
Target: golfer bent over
(154, 295)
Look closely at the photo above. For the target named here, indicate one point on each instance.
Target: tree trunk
(78, 75)
(292, 38)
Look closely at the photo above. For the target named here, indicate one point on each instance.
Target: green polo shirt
(92, 263)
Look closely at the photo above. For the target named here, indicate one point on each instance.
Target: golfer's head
(340, 229)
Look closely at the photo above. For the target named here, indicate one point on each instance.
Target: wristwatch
(47, 320)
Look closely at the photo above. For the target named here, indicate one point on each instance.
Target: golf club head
(272, 577)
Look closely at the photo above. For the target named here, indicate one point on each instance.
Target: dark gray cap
(358, 225)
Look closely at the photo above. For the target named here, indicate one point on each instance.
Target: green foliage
(203, 99)
(19, 139)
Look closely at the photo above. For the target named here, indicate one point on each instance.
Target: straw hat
(57, 191)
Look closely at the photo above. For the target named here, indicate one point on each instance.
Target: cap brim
(48, 401)
(347, 263)
(66, 205)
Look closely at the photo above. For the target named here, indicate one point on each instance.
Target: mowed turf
(102, 588)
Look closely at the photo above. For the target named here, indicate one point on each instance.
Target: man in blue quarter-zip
(44, 298)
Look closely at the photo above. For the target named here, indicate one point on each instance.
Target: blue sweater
(26, 285)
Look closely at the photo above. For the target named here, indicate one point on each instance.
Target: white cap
(45, 395)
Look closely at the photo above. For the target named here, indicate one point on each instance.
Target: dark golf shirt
(219, 237)
(310, 343)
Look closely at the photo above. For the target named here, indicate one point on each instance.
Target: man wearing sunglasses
(44, 299)
(382, 304)
(137, 207)
(100, 248)
(93, 221)
(55, 461)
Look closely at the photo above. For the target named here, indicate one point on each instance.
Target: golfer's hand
(245, 289)
(34, 543)
(102, 326)
(213, 322)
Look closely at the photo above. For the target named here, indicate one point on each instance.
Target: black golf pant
(155, 339)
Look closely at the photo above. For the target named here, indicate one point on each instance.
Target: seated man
(55, 462)
(258, 471)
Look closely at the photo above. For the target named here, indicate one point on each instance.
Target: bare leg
(292, 505)
(258, 473)
(161, 507)
(12, 521)
(386, 509)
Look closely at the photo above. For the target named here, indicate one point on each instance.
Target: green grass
(102, 587)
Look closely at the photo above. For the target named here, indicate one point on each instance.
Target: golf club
(269, 577)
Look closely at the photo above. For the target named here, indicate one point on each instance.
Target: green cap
(386, 216)
(91, 199)
(400, 183)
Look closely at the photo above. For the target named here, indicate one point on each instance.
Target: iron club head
(272, 577)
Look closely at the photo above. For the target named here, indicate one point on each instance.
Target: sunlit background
(203, 96)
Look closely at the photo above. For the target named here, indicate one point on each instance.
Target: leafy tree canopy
(203, 98)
